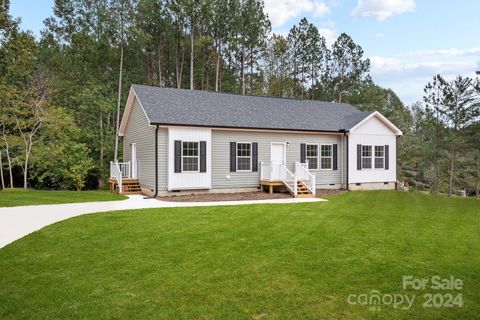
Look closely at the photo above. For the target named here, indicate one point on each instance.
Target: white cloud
(320, 9)
(379, 35)
(329, 34)
(452, 52)
(392, 66)
(382, 9)
(281, 11)
(408, 78)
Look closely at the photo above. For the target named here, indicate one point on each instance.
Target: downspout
(346, 156)
(156, 161)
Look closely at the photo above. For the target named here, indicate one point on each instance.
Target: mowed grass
(297, 261)
(22, 197)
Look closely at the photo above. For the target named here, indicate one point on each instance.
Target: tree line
(60, 93)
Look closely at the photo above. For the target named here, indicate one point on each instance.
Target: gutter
(242, 128)
(156, 161)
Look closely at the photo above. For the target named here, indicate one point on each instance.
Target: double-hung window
(312, 156)
(326, 157)
(379, 157)
(190, 156)
(366, 157)
(244, 156)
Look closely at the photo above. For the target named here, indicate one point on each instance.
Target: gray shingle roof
(169, 106)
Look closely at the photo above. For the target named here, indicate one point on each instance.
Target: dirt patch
(326, 192)
(206, 197)
(258, 195)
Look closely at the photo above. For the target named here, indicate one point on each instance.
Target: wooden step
(129, 186)
(308, 195)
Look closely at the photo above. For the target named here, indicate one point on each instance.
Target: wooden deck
(302, 190)
(270, 184)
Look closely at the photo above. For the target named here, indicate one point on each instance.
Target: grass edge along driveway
(22, 197)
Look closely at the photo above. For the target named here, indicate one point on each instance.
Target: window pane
(379, 151)
(379, 163)
(312, 163)
(243, 163)
(190, 148)
(244, 149)
(190, 163)
(366, 163)
(326, 151)
(366, 151)
(312, 150)
(326, 163)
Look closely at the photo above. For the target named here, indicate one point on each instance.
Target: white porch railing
(122, 170)
(301, 171)
(116, 173)
(125, 168)
(266, 171)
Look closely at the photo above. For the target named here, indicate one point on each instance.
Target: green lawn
(297, 261)
(21, 197)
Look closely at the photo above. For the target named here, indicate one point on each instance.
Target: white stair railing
(309, 179)
(288, 178)
(116, 173)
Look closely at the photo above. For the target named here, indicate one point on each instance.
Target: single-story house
(177, 140)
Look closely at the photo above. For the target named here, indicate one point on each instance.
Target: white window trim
(243, 157)
(366, 157)
(320, 156)
(198, 158)
(317, 157)
(375, 157)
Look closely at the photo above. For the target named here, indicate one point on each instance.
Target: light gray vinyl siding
(221, 154)
(162, 158)
(140, 132)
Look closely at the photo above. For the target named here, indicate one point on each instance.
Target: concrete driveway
(17, 222)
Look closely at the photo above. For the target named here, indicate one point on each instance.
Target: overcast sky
(407, 41)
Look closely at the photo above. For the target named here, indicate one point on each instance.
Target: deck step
(129, 186)
(307, 195)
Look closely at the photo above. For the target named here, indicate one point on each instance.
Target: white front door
(277, 156)
(134, 160)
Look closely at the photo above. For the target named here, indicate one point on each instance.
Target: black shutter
(178, 156)
(335, 157)
(233, 156)
(254, 156)
(386, 157)
(359, 157)
(303, 153)
(203, 156)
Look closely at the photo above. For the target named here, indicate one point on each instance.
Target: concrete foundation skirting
(372, 186)
(329, 186)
